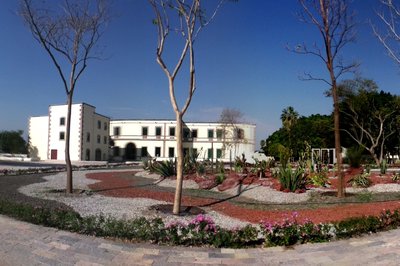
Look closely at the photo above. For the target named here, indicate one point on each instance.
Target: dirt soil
(126, 185)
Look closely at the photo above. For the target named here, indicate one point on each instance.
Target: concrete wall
(38, 136)
(56, 143)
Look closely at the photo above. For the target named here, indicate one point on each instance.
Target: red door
(53, 155)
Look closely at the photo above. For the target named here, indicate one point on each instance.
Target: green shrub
(259, 167)
(320, 179)
(292, 180)
(219, 178)
(383, 167)
(354, 154)
(220, 167)
(357, 226)
(365, 196)
(360, 180)
(201, 169)
(396, 177)
(190, 163)
(240, 164)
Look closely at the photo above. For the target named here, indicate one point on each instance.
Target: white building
(136, 139)
(89, 139)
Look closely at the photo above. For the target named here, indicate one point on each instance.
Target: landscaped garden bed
(318, 216)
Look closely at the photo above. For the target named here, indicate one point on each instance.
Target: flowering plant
(290, 231)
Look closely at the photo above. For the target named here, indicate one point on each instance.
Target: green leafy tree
(371, 118)
(12, 142)
(316, 130)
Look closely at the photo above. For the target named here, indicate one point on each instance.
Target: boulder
(207, 184)
(229, 183)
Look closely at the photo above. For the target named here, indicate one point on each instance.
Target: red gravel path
(112, 184)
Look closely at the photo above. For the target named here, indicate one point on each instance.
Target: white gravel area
(268, 194)
(256, 192)
(376, 188)
(123, 208)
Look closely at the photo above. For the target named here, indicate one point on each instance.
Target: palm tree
(289, 118)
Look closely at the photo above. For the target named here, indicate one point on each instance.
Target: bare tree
(334, 22)
(69, 37)
(186, 19)
(390, 39)
(231, 133)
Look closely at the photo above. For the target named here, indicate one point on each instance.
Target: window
(171, 152)
(88, 137)
(62, 121)
(105, 140)
(144, 152)
(98, 124)
(157, 152)
(105, 125)
(194, 152)
(117, 131)
(219, 153)
(98, 139)
(239, 133)
(158, 131)
(62, 135)
(172, 132)
(210, 133)
(219, 133)
(87, 158)
(145, 131)
(194, 133)
(186, 133)
(210, 153)
(116, 151)
(185, 151)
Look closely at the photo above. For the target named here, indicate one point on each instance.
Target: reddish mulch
(112, 184)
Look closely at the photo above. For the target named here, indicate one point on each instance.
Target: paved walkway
(26, 244)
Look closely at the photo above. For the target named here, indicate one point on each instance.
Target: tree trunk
(377, 161)
(339, 174)
(179, 168)
(68, 164)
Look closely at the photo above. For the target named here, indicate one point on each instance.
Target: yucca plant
(292, 179)
(190, 163)
(164, 168)
(148, 165)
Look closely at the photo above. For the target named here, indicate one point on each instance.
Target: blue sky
(241, 63)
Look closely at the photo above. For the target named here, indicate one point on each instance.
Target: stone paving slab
(26, 244)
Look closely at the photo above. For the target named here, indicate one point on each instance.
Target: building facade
(89, 136)
(138, 139)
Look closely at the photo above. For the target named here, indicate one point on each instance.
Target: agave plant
(361, 180)
(292, 179)
(164, 168)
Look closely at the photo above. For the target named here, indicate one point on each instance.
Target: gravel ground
(124, 208)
